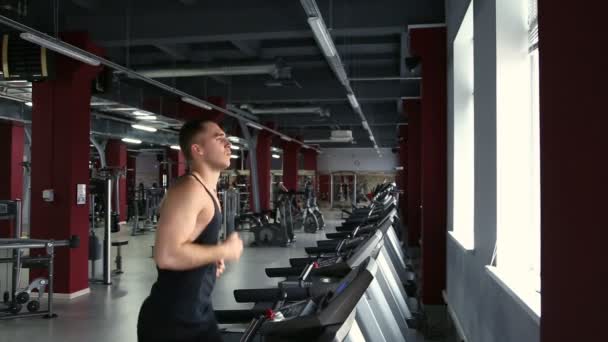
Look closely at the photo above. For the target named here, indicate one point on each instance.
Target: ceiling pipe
(286, 110)
(231, 70)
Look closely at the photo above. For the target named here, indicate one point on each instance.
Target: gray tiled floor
(109, 313)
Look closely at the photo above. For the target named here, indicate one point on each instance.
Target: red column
(116, 157)
(11, 170)
(177, 162)
(402, 177)
(131, 175)
(431, 46)
(60, 159)
(574, 186)
(264, 143)
(414, 226)
(290, 165)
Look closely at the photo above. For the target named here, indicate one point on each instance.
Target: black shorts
(154, 330)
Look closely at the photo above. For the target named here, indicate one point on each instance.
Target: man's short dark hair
(187, 133)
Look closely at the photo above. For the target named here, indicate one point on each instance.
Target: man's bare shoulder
(185, 189)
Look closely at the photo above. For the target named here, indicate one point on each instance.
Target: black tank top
(185, 296)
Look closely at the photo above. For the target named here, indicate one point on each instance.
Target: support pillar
(414, 226)
(573, 145)
(263, 156)
(310, 163)
(430, 44)
(402, 178)
(60, 159)
(290, 165)
(131, 180)
(116, 157)
(177, 163)
(11, 170)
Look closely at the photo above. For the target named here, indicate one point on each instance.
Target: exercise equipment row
(31, 296)
(354, 287)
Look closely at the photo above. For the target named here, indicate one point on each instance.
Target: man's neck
(208, 176)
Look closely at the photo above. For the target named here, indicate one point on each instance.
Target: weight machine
(15, 298)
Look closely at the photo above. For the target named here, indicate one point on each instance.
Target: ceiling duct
(273, 70)
(337, 136)
(286, 110)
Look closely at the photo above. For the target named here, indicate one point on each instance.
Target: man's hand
(233, 247)
(220, 267)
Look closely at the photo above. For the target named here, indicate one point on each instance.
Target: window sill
(525, 296)
(465, 244)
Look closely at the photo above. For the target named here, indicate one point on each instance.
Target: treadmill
(330, 317)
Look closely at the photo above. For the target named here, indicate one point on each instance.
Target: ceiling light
(276, 156)
(371, 137)
(233, 139)
(175, 147)
(320, 31)
(197, 103)
(234, 156)
(365, 125)
(286, 138)
(353, 100)
(144, 128)
(147, 118)
(59, 48)
(141, 113)
(255, 126)
(29, 104)
(235, 147)
(274, 149)
(120, 109)
(132, 141)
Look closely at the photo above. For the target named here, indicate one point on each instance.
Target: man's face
(214, 146)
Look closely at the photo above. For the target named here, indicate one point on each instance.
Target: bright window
(518, 151)
(464, 110)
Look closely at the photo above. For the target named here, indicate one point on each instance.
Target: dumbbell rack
(12, 210)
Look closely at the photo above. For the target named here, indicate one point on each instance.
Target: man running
(187, 254)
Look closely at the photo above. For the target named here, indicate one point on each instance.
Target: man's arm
(178, 214)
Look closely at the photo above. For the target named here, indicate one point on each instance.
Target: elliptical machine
(310, 219)
(280, 232)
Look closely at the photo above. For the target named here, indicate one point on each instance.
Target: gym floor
(109, 313)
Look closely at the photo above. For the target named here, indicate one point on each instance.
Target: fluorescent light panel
(197, 103)
(353, 100)
(235, 147)
(255, 126)
(64, 50)
(144, 128)
(175, 147)
(276, 156)
(131, 141)
(320, 30)
(147, 118)
(234, 156)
